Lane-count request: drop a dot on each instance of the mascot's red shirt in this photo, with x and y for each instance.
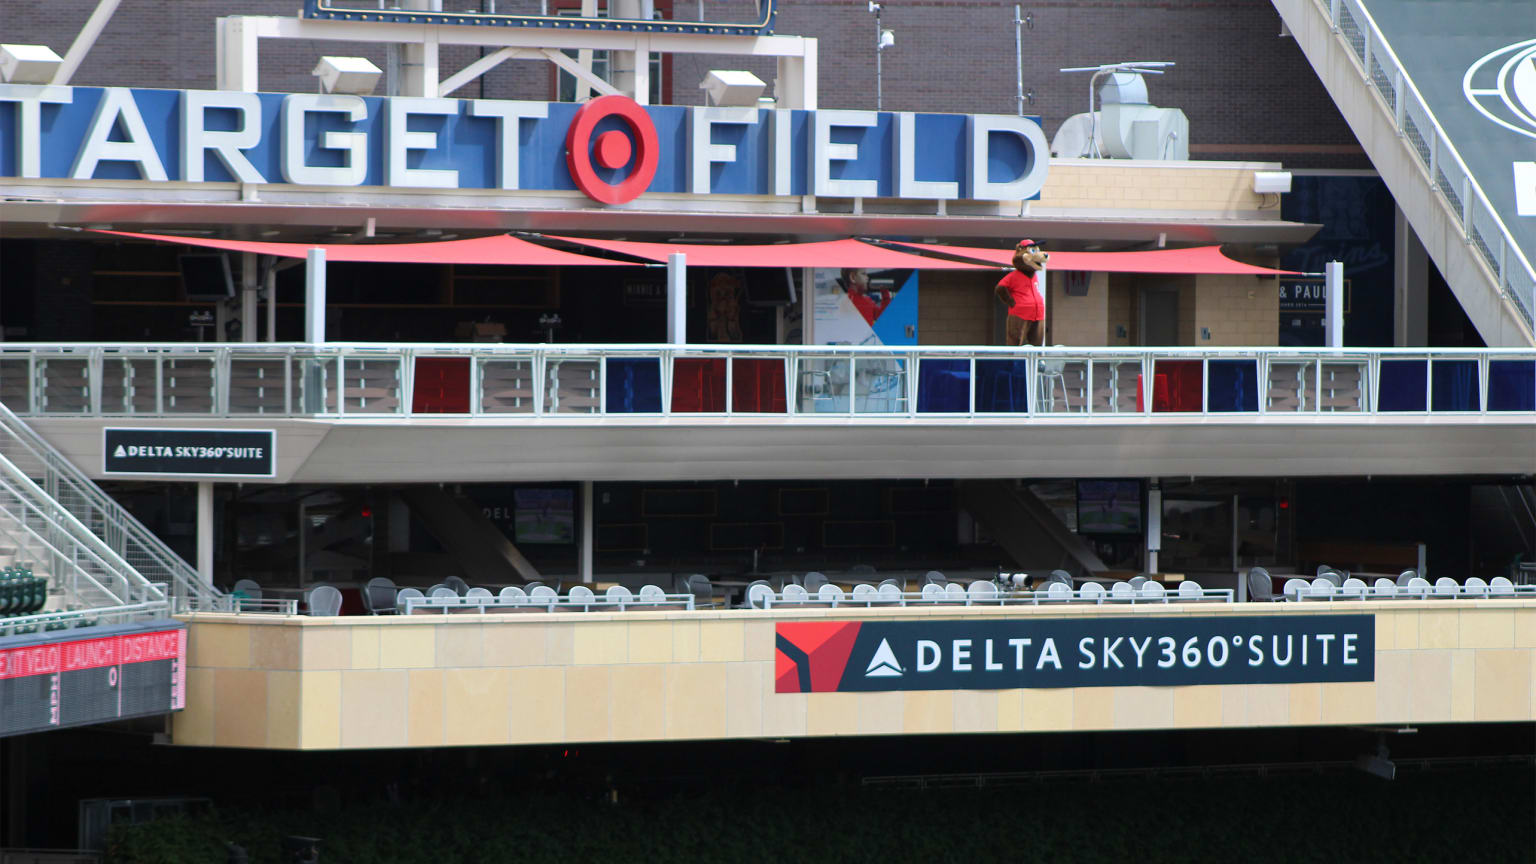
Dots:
(1026, 300)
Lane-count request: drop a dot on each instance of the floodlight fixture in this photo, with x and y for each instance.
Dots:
(732, 87)
(28, 64)
(356, 75)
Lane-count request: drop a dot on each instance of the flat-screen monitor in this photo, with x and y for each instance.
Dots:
(545, 515)
(206, 276)
(1109, 507)
(770, 286)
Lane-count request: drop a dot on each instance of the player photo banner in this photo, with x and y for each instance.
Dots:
(866, 656)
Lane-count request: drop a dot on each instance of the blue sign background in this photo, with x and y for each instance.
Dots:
(469, 145)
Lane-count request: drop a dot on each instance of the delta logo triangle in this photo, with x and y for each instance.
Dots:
(119, 453)
(883, 664)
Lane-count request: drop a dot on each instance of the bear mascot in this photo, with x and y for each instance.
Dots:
(1026, 309)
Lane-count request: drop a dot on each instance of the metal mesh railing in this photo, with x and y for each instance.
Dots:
(1480, 223)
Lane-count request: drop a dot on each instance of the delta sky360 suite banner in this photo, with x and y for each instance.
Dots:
(865, 656)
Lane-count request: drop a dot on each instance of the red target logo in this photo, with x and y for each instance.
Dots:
(612, 149)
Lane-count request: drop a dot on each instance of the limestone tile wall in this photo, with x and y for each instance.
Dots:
(1097, 185)
(956, 308)
(356, 683)
(1079, 320)
(1237, 310)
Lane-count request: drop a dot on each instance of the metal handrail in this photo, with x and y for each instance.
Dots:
(63, 529)
(1509, 256)
(822, 382)
(119, 530)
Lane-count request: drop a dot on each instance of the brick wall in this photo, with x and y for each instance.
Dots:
(1249, 93)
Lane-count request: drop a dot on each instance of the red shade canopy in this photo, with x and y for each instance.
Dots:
(830, 253)
(1198, 259)
(500, 249)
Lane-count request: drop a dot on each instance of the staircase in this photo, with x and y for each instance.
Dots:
(1463, 232)
(1032, 535)
(43, 490)
(87, 582)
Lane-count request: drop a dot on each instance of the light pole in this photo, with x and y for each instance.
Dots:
(883, 39)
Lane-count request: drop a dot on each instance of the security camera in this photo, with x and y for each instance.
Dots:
(887, 39)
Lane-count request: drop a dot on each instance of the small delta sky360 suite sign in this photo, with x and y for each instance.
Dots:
(855, 656)
(190, 452)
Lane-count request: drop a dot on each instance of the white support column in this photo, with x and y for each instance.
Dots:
(314, 297)
(205, 531)
(237, 66)
(1154, 523)
(585, 553)
(250, 286)
(677, 299)
(1334, 316)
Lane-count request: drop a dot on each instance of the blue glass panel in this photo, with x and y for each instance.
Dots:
(1512, 385)
(944, 386)
(634, 386)
(1232, 385)
(1402, 385)
(1454, 387)
(1002, 386)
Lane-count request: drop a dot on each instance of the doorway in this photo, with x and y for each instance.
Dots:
(1159, 315)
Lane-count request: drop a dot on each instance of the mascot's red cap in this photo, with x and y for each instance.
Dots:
(1026, 243)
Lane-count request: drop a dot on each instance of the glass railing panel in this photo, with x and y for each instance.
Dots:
(943, 385)
(1454, 385)
(1232, 386)
(1062, 385)
(1403, 385)
(372, 385)
(1177, 386)
(822, 384)
(1114, 389)
(16, 383)
(1292, 386)
(1002, 386)
(1342, 386)
(63, 385)
(1512, 385)
(257, 385)
(187, 385)
(440, 385)
(573, 385)
(128, 385)
(633, 385)
(314, 379)
(879, 384)
(758, 385)
(698, 385)
(507, 385)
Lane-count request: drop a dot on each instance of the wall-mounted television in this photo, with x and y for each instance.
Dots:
(1109, 507)
(206, 276)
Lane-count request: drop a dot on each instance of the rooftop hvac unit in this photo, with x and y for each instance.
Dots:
(1130, 128)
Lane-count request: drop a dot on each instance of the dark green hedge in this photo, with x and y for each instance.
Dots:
(1470, 815)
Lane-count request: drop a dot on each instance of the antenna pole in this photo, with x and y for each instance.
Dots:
(1018, 56)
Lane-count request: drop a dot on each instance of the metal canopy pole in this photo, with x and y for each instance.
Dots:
(1333, 273)
(586, 530)
(677, 298)
(314, 297)
(205, 531)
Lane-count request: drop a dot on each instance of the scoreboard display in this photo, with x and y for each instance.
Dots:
(73, 679)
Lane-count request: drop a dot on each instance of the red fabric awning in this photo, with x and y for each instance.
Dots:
(500, 249)
(828, 253)
(1205, 260)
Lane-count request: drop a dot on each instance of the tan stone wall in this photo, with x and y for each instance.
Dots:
(956, 308)
(1159, 187)
(1121, 309)
(1238, 310)
(426, 681)
(1079, 320)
